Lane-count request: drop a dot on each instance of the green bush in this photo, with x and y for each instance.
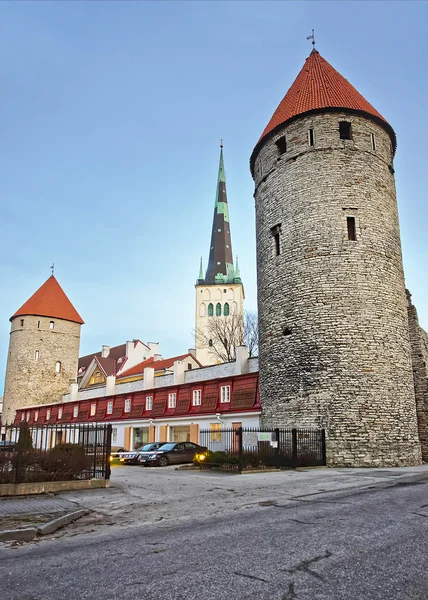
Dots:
(65, 462)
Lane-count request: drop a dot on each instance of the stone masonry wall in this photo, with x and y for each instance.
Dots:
(334, 342)
(419, 342)
(30, 382)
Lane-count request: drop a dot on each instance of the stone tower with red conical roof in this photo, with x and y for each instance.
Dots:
(43, 350)
(334, 342)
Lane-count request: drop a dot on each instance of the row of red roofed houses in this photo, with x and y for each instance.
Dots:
(172, 406)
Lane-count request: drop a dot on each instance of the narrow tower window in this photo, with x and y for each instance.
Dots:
(51, 324)
(311, 137)
(226, 310)
(281, 144)
(352, 234)
(38, 324)
(373, 139)
(345, 130)
(57, 367)
(22, 322)
(276, 240)
(210, 310)
(218, 310)
(36, 355)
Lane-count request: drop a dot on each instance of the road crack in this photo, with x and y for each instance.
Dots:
(250, 576)
(290, 594)
(305, 564)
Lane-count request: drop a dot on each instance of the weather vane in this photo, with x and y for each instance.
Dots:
(221, 143)
(312, 37)
(53, 268)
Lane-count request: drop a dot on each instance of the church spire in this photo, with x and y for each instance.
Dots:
(220, 264)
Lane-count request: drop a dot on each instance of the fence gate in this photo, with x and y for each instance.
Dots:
(237, 449)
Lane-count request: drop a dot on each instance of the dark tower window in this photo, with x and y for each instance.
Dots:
(226, 310)
(218, 310)
(22, 322)
(276, 240)
(281, 144)
(210, 310)
(210, 343)
(352, 233)
(345, 130)
(373, 139)
(311, 137)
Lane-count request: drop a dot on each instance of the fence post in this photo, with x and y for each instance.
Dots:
(323, 448)
(108, 451)
(294, 447)
(277, 461)
(239, 433)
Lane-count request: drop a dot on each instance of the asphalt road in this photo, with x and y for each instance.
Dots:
(356, 544)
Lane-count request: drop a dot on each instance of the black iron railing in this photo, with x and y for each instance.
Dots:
(238, 449)
(54, 453)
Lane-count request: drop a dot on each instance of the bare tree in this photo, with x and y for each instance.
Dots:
(223, 334)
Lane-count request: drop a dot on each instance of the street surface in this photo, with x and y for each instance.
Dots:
(315, 535)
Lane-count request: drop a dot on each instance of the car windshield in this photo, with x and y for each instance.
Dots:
(167, 447)
(146, 448)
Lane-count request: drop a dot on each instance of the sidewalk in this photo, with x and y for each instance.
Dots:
(24, 517)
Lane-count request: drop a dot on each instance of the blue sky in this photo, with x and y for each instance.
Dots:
(112, 114)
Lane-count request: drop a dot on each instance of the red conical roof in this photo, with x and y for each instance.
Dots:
(50, 301)
(318, 86)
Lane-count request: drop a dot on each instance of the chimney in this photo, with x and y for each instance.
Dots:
(149, 378)
(105, 351)
(110, 385)
(192, 351)
(129, 348)
(157, 357)
(74, 388)
(241, 360)
(178, 372)
(154, 347)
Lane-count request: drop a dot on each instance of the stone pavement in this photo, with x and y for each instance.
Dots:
(30, 505)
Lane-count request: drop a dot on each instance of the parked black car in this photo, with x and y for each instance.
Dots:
(172, 454)
(131, 458)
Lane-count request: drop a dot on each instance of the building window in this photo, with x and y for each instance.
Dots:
(128, 405)
(210, 310)
(225, 394)
(109, 407)
(352, 234)
(75, 411)
(22, 322)
(172, 400)
(93, 410)
(60, 412)
(38, 324)
(36, 415)
(345, 130)
(218, 310)
(281, 144)
(276, 232)
(51, 324)
(28, 415)
(48, 414)
(114, 434)
(197, 397)
(216, 432)
(189, 366)
(57, 367)
(22, 416)
(210, 343)
(226, 310)
(36, 355)
(311, 138)
(149, 402)
(373, 139)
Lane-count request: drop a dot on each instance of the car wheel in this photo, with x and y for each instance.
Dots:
(163, 461)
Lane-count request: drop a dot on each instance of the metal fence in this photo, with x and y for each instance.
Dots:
(239, 449)
(54, 453)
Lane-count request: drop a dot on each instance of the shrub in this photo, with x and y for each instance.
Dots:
(66, 461)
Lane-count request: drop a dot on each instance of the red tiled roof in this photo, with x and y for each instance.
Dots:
(116, 352)
(50, 300)
(318, 86)
(157, 365)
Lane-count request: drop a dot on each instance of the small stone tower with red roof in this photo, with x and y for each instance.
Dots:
(43, 350)
(334, 342)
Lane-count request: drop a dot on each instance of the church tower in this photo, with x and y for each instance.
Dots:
(220, 294)
(334, 343)
(43, 350)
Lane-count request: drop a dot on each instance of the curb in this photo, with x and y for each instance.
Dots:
(29, 533)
